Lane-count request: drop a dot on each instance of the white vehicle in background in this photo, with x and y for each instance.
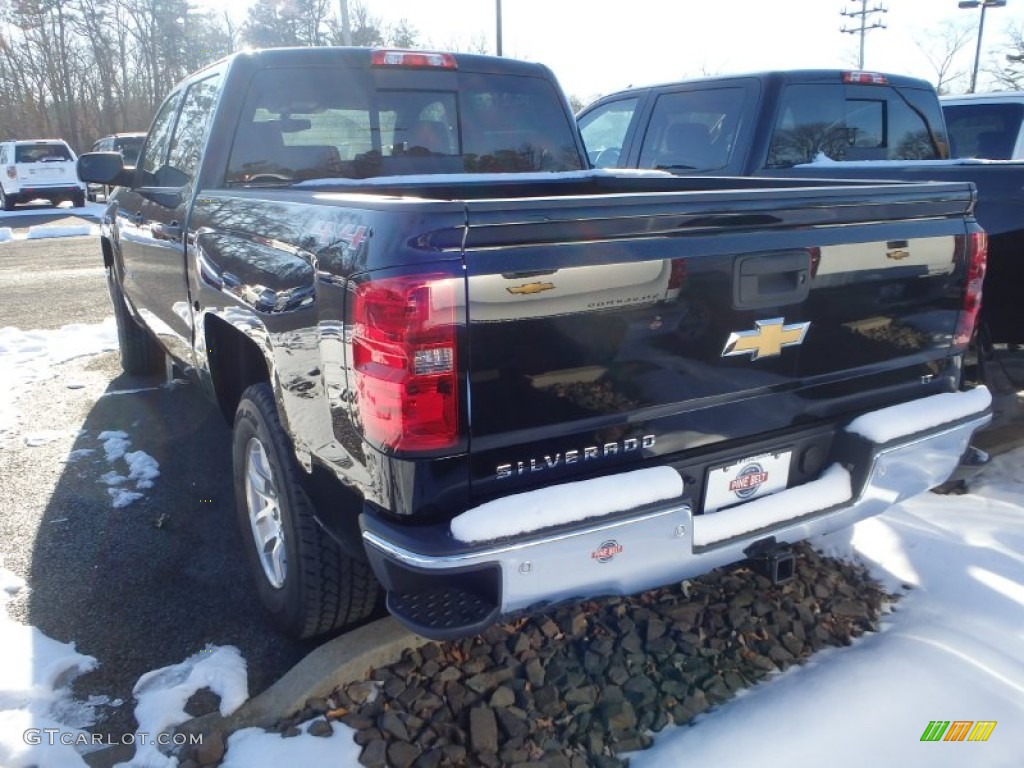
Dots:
(39, 169)
(986, 125)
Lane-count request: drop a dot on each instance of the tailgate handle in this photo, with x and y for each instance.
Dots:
(771, 279)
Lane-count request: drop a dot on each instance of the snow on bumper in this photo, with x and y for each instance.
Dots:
(664, 541)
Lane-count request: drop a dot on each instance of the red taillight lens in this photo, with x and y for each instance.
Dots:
(977, 261)
(404, 357)
(677, 276)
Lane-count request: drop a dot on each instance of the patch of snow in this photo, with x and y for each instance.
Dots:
(35, 439)
(112, 478)
(56, 230)
(79, 453)
(256, 748)
(162, 693)
(821, 159)
(144, 469)
(833, 487)
(6, 234)
(35, 690)
(115, 443)
(488, 178)
(566, 503)
(897, 421)
(122, 498)
(27, 357)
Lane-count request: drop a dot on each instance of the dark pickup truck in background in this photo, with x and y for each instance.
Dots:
(465, 371)
(795, 124)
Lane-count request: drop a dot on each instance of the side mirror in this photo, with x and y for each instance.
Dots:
(105, 168)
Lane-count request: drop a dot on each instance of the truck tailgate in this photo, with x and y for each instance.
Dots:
(639, 326)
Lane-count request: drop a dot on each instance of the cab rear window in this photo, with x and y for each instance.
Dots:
(41, 153)
(335, 123)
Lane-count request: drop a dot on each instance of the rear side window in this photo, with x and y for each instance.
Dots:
(190, 131)
(693, 130)
(333, 123)
(984, 130)
(129, 148)
(41, 153)
(604, 131)
(853, 123)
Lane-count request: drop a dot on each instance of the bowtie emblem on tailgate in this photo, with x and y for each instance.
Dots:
(529, 289)
(767, 340)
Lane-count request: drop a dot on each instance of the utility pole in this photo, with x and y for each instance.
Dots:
(346, 25)
(498, 34)
(863, 26)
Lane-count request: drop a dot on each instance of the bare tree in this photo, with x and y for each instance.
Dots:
(1009, 73)
(942, 45)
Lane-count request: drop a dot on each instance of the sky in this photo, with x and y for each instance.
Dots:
(951, 649)
(599, 46)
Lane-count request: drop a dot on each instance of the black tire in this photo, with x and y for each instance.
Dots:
(7, 202)
(141, 355)
(318, 588)
(79, 200)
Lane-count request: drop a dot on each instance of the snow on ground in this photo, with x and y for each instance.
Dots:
(35, 679)
(143, 469)
(953, 648)
(19, 219)
(162, 694)
(30, 356)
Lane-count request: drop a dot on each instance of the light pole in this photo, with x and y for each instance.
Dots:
(498, 33)
(983, 4)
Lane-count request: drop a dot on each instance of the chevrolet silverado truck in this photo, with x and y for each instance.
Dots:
(826, 124)
(469, 375)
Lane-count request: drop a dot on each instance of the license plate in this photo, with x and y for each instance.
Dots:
(746, 479)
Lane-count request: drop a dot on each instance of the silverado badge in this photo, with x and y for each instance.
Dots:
(530, 288)
(767, 341)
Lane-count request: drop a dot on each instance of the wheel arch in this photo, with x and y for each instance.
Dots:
(234, 361)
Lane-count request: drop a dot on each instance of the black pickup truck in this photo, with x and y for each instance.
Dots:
(467, 372)
(817, 124)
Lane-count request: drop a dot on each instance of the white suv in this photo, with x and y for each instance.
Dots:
(39, 169)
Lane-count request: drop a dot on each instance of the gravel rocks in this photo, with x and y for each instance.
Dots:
(588, 683)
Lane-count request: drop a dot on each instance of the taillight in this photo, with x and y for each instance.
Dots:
(404, 357)
(383, 58)
(12, 172)
(977, 260)
(866, 78)
(677, 276)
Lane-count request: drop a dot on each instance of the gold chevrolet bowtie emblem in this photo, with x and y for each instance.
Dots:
(767, 341)
(530, 288)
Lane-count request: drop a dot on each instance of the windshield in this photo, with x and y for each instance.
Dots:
(332, 123)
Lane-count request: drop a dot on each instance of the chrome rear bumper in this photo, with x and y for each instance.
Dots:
(627, 553)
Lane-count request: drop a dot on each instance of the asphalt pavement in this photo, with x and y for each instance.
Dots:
(146, 585)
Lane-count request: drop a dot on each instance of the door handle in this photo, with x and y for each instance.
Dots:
(771, 279)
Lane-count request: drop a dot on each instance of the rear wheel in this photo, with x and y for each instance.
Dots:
(140, 352)
(79, 200)
(304, 580)
(7, 202)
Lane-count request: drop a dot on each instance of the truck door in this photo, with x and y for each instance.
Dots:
(153, 215)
